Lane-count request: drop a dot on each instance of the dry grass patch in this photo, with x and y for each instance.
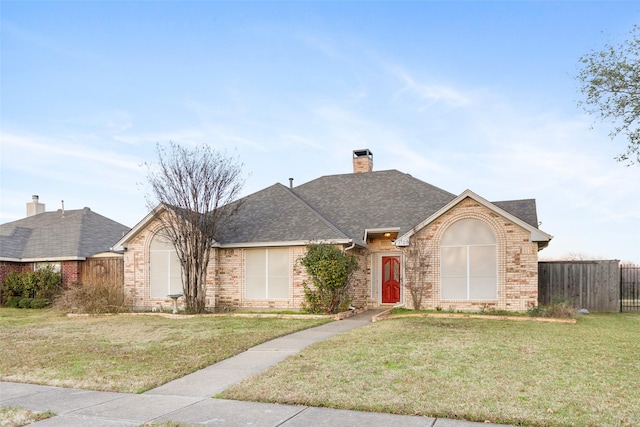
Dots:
(124, 353)
(522, 373)
(12, 416)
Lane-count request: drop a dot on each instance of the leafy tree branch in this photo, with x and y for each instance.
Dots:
(610, 84)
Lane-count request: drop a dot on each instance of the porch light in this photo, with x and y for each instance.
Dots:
(387, 234)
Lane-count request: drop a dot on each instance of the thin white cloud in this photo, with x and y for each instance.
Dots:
(431, 93)
(46, 150)
(103, 122)
(300, 140)
(182, 136)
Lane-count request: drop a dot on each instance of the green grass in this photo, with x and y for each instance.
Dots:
(124, 353)
(522, 373)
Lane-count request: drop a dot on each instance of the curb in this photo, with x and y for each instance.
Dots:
(387, 315)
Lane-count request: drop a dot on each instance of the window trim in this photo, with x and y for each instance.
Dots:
(168, 260)
(55, 265)
(468, 262)
(267, 276)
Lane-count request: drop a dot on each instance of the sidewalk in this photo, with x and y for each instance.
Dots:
(189, 399)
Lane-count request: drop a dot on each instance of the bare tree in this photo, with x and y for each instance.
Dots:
(192, 195)
(417, 266)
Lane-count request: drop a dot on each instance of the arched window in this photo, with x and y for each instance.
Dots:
(468, 262)
(165, 269)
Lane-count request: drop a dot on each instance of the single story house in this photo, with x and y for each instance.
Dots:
(477, 254)
(64, 239)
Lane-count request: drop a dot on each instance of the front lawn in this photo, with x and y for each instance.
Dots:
(522, 373)
(124, 353)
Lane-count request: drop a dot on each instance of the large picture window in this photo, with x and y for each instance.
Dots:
(166, 271)
(468, 262)
(267, 273)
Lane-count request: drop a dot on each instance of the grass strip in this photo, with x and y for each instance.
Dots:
(14, 416)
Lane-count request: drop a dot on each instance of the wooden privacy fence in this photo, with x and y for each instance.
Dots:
(594, 285)
(103, 271)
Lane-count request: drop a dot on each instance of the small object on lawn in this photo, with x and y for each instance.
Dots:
(583, 311)
(175, 297)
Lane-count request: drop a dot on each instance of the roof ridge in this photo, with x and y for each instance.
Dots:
(347, 174)
(315, 212)
(425, 182)
(408, 175)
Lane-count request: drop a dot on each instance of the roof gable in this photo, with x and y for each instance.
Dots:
(517, 206)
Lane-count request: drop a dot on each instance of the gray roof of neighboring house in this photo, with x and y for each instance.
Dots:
(76, 234)
(339, 207)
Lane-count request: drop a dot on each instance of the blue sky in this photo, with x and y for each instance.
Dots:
(463, 95)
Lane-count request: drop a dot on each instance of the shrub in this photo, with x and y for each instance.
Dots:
(93, 298)
(25, 303)
(330, 271)
(42, 284)
(12, 286)
(13, 301)
(40, 302)
(559, 309)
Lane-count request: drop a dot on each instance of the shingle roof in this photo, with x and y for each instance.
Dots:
(338, 207)
(276, 214)
(76, 234)
(524, 209)
(360, 201)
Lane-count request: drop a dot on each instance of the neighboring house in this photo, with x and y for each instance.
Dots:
(64, 239)
(480, 254)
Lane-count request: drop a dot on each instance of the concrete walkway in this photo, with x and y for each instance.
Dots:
(189, 400)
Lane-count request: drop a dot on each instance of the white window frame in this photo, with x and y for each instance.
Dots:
(468, 270)
(172, 263)
(268, 276)
(57, 266)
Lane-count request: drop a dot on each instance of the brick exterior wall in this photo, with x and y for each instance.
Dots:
(225, 278)
(360, 281)
(517, 259)
(70, 270)
(7, 267)
(362, 164)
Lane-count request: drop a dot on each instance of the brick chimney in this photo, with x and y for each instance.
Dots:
(34, 207)
(362, 161)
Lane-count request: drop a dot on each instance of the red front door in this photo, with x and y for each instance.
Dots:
(390, 279)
